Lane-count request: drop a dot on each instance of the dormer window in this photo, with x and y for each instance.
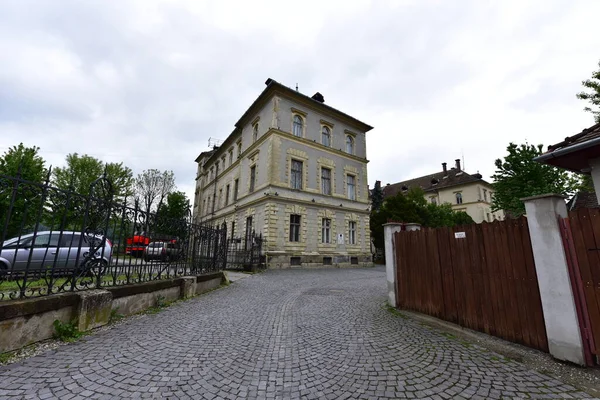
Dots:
(298, 126)
(404, 188)
(349, 144)
(326, 136)
(434, 181)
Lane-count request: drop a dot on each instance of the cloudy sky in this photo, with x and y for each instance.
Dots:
(148, 82)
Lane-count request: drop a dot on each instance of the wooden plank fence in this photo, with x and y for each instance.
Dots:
(585, 228)
(485, 281)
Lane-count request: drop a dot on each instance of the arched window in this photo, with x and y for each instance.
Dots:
(458, 198)
(326, 136)
(298, 126)
(349, 144)
(255, 132)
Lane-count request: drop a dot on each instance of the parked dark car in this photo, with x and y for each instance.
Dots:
(164, 251)
(55, 251)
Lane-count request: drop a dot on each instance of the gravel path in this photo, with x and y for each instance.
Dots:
(289, 334)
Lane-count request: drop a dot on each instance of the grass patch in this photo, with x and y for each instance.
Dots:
(448, 335)
(160, 303)
(6, 357)
(395, 311)
(115, 316)
(66, 331)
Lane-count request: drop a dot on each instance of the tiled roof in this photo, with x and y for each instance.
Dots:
(434, 182)
(583, 200)
(585, 135)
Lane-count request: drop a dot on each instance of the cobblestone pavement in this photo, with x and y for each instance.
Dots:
(310, 334)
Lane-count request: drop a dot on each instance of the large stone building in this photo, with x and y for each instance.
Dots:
(295, 170)
(465, 192)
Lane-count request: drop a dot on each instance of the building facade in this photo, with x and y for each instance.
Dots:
(465, 192)
(294, 170)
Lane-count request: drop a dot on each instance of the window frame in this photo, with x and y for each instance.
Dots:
(252, 178)
(350, 144)
(326, 230)
(351, 195)
(255, 132)
(352, 232)
(325, 128)
(298, 123)
(236, 189)
(227, 191)
(296, 175)
(458, 197)
(295, 224)
(328, 179)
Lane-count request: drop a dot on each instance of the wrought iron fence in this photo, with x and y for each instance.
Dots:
(245, 253)
(54, 240)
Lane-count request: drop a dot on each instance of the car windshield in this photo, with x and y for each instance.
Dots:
(155, 244)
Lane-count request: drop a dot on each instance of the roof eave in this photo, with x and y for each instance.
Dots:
(567, 150)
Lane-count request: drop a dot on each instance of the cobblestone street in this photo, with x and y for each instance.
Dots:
(289, 334)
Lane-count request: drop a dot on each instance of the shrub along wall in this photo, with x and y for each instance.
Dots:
(23, 322)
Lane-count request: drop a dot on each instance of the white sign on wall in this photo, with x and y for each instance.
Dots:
(340, 238)
(460, 235)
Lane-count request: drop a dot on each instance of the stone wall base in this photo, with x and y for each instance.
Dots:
(23, 322)
(302, 260)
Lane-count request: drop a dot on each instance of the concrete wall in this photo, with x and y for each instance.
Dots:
(558, 301)
(23, 322)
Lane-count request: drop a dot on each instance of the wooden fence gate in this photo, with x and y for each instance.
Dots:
(582, 230)
(480, 276)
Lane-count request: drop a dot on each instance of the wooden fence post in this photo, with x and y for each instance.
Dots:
(558, 301)
(390, 255)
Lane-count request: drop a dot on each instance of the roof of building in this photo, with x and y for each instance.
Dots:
(575, 151)
(435, 181)
(583, 200)
(583, 136)
(316, 101)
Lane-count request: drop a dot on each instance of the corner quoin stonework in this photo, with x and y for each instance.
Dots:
(283, 334)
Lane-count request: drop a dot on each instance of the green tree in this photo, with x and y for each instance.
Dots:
(77, 176)
(412, 207)
(171, 217)
(81, 171)
(518, 176)
(26, 163)
(377, 196)
(593, 96)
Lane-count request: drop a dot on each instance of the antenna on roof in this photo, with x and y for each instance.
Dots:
(296, 86)
(462, 153)
(214, 142)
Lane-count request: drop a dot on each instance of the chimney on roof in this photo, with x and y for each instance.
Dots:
(318, 97)
(457, 164)
(445, 168)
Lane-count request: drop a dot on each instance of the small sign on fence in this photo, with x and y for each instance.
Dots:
(460, 235)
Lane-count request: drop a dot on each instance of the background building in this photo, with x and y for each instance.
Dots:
(295, 170)
(466, 192)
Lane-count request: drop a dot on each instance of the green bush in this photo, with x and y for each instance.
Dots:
(66, 332)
